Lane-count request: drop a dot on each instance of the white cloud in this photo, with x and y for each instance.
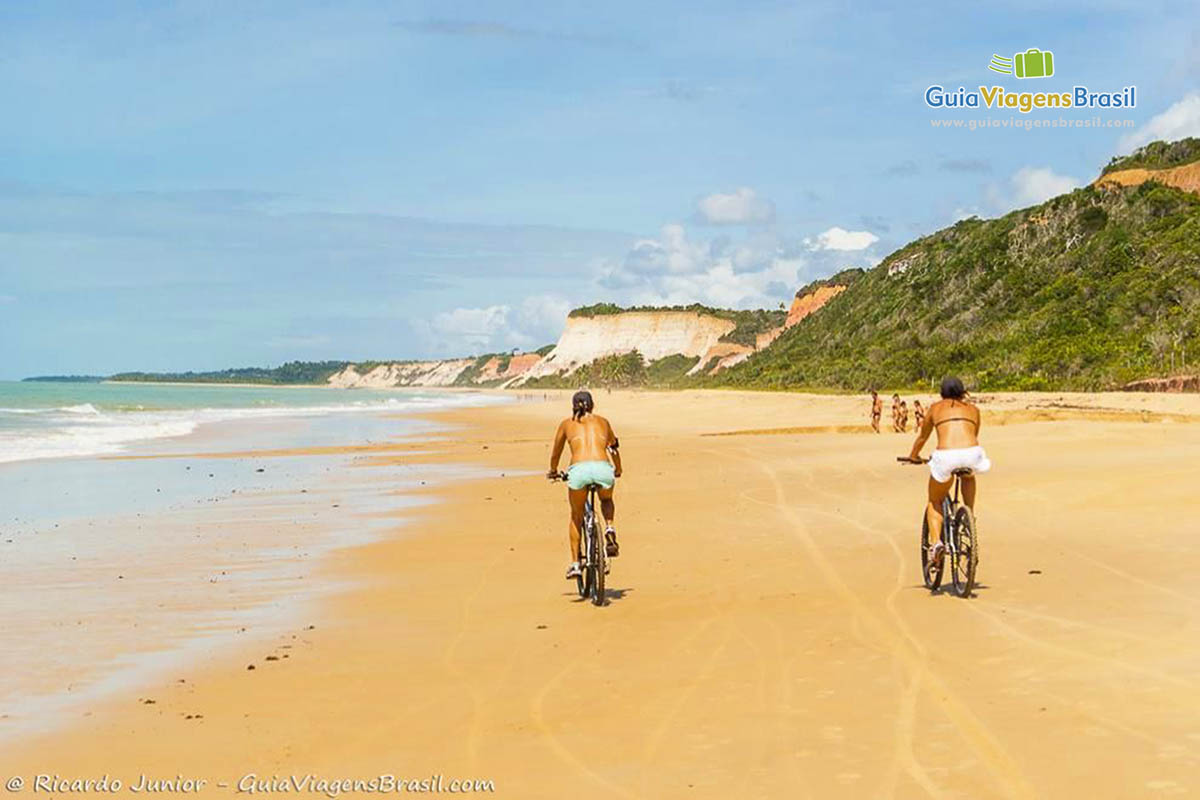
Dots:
(540, 318)
(841, 239)
(672, 269)
(1033, 185)
(1179, 121)
(743, 207)
(537, 321)
(476, 328)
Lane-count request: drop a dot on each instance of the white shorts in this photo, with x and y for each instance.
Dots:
(943, 462)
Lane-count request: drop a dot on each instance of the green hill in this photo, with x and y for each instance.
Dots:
(1157, 155)
(293, 372)
(1087, 291)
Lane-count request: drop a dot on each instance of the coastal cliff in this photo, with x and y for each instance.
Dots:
(650, 345)
(653, 334)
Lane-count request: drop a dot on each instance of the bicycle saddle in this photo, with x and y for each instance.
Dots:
(962, 471)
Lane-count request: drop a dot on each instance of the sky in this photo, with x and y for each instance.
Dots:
(200, 185)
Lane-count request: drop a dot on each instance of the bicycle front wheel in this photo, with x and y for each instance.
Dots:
(929, 573)
(966, 556)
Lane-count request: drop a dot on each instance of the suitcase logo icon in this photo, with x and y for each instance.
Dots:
(1033, 63)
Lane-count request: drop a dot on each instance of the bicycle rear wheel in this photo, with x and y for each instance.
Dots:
(596, 558)
(966, 558)
(930, 574)
(583, 582)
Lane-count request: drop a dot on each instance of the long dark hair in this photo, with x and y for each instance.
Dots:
(953, 389)
(582, 403)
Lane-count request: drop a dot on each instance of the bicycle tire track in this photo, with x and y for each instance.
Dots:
(1002, 766)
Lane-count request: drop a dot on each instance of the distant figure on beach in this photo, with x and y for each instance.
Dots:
(876, 410)
(592, 444)
(896, 413)
(918, 414)
(957, 424)
(903, 416)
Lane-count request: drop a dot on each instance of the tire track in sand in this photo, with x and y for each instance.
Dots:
(906, 651)
(904, 755)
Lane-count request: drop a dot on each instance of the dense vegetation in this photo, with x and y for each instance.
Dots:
(843, 278)
(623, 370)
(1157, 155)
(471, 375)
(293, 372)
(748, 324)
(1086, 291)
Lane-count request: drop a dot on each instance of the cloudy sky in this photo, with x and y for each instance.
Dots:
(196, 185)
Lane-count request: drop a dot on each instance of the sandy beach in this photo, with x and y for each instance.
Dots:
(766, 635)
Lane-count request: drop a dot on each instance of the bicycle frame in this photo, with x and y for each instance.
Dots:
(591, 578)
(589, 526)
(949, 540)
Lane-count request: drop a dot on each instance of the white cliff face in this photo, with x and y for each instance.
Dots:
(654, 334)
(412, 373)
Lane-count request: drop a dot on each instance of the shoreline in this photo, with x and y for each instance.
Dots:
(137, 610)
(754, 390)
(766, 634)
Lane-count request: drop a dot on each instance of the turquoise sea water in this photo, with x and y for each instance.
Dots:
(119, 571)
(56, 420)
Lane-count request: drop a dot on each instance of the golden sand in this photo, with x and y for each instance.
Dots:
(766, 636)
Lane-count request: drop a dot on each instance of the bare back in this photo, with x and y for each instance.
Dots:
(588, 437)
(956, 423)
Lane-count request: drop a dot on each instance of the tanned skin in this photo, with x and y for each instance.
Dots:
(590, 438)
(952, 434)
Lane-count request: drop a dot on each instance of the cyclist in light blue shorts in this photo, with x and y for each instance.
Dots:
(593, 444)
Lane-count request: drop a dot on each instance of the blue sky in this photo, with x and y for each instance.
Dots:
(196, 185)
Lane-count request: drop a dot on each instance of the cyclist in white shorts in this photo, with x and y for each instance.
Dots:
(957, 424)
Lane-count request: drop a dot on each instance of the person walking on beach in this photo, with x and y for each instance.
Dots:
(876, 410)
(895, 413)
(918, 414)
(592, 443)
(904, 416)
(957, 424)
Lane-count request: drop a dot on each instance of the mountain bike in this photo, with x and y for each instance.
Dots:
(594, 556)
(959, 535)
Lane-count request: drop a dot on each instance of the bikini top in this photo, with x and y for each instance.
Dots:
(952, 419)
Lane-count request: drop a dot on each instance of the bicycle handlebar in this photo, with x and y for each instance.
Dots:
(907, 460)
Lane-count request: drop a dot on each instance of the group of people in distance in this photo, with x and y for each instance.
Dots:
(899, 413)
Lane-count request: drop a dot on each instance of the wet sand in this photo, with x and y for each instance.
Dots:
(766, 633)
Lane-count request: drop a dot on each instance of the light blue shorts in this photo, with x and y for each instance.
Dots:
(585, 473)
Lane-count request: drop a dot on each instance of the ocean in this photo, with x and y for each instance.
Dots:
(147, 528)
(59, 420)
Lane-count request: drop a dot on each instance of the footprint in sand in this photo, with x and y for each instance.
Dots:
(1166, 787)
(1172, 751)
(833, 733)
